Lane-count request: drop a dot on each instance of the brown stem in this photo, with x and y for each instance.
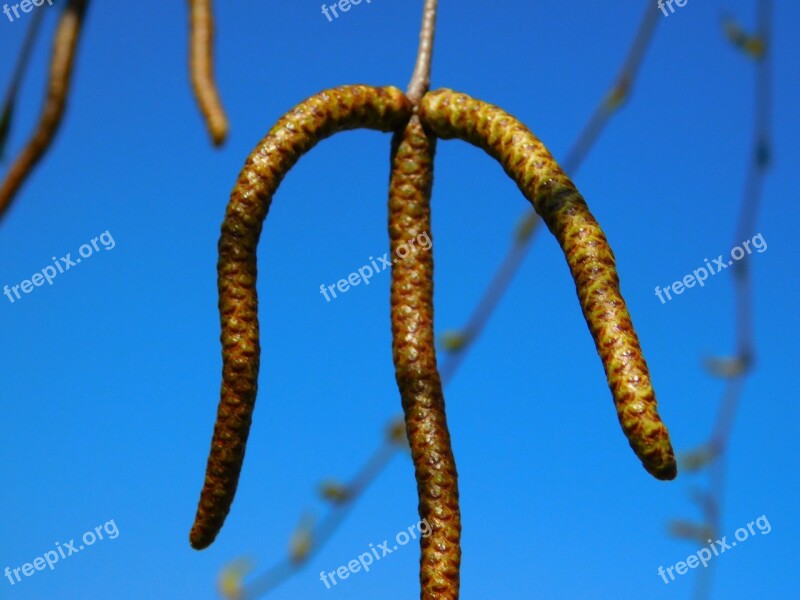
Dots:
(339, 109)
(421, 78)
(65, 45)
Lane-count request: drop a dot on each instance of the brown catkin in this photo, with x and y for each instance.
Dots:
(338, 109)
(454, 115)
(201, 69)
(65, 46)
(415, 360)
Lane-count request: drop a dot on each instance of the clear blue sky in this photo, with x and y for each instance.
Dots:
(111, 375)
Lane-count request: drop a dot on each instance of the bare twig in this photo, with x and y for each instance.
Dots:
(325, 529)
(17, 76)
(421, 78)
(757, 46)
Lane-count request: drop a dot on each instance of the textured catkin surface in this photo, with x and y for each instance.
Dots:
(201, 68)
(65, 46)
(347, 107)
(555, 198)
(415, 360)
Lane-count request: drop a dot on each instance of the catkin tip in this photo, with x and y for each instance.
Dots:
(199, 541)
(664, 470)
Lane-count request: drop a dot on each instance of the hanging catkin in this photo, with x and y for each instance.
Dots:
(201, 69)
(454, 115)
(338, 109)
(414, 356)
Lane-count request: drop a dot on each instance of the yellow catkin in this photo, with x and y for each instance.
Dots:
(414, 356)
(338, 109)
(454, 115)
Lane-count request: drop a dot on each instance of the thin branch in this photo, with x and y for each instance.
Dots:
(282, 571)
(16, 78)
(490, 299)
(747, 222)
(421, 78)
(743, 293)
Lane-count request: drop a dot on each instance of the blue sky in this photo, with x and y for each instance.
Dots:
(111, 375)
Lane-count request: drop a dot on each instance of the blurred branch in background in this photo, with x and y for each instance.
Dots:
(310, 537)
(16, 79)
(734, 370)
